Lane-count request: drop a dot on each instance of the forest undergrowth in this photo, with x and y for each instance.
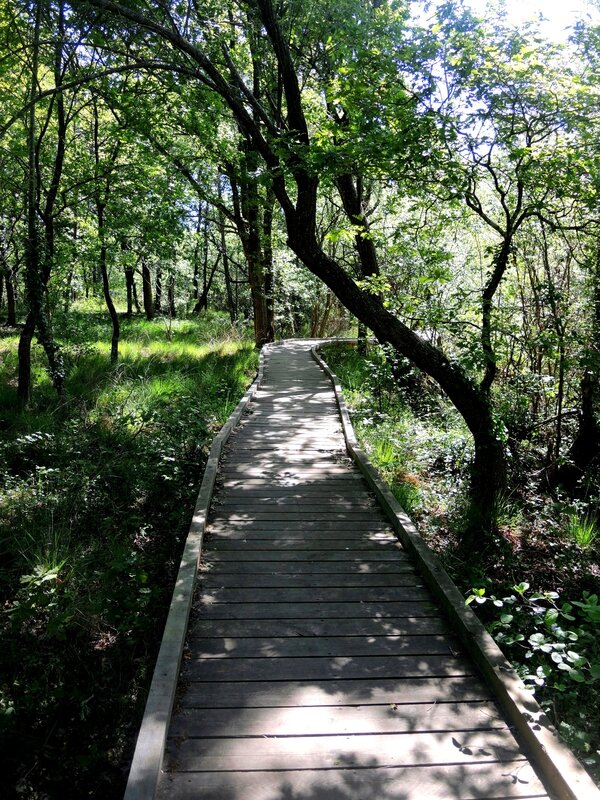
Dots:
(95, 501)
(537, 592)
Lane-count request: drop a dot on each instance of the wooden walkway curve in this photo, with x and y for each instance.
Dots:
(318, 666)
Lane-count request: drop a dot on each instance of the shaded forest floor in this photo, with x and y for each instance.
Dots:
(537, 592)
(95, 502)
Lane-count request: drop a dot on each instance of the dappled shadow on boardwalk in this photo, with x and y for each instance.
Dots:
(319, 667)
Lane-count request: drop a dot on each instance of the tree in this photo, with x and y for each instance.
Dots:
(284, 143)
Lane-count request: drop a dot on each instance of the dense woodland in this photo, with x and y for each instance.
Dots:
(184, 181)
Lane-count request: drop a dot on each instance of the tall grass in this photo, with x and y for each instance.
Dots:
(583, 530)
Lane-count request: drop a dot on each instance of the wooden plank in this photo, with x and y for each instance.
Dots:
(363, 692)
(308, 610)
(295, 544)
(345, 525)
(329, 752)
(455, 782)
(309, 581)
(317, 538)
(305, 555)
(292, 493)
(307, 514)
(327, 720)
(312, 507)
(331, 450)
(347, 567)
(318, 669)
(321, 594)
(405, 626)
(320, 470)
(344, 480)
(318, 502)
(304, 646)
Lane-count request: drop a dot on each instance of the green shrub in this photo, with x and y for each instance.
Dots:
(555, 647)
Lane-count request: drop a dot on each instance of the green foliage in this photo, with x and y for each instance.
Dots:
(400, 423)
(555, 647)
(94, 508)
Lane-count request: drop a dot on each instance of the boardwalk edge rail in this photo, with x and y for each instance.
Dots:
(144, 774)
(564, 776)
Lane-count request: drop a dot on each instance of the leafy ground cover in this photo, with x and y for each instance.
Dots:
(538, 591)
(95, 502)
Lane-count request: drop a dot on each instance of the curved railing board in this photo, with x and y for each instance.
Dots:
(144, 774)
(556, 764)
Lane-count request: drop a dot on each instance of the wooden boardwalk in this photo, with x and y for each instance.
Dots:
(319, 667)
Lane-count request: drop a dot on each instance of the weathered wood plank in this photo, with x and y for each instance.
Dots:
(304, 646)
(321, 594)
(343, 480)
(349, 566)
(237, 544)
(451, 782)
(363, 692)
(325, 720)
(297, 515)
(308, 610)
(318, 669)
(318, 502)
(305, 556)
(329, 752)
(233, 539)
(310, 580)
(344, 525)
(405, 626)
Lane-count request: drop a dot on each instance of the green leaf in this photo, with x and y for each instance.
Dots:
(550, 617)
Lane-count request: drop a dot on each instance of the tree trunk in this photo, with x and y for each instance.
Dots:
(202, 302)
(585, 449)
(158, 291)
(136, 301)
(499, 267)
(171, 295)
(267, 248)
(38, 258)
(11, 300)
(247, 214)
(24, 351)
(362, 338)
(114, 317)
(147, 290)
(196, 256)
(129, 285)
(231, 304)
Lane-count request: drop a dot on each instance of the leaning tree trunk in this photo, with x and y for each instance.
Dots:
(475, 406)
